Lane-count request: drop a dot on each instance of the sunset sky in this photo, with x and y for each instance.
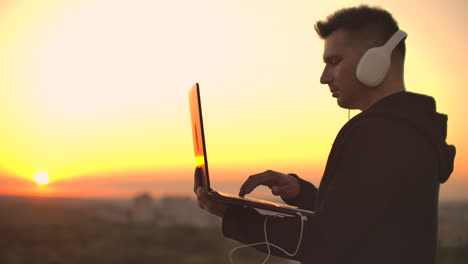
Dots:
(94, 92)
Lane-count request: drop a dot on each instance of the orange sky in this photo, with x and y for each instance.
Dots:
(95, 92)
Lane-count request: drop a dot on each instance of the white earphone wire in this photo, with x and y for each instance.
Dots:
(268, 244)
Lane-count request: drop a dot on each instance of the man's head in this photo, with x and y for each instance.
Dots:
(348, 34)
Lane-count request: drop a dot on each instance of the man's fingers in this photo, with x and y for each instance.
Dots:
(200, 193)
(288, 190)
(206, 204)
(275, 190)
(248, 188)
(203, 201)
(197, 181)
(245, 186)
(201, 198)
(279, 190)
(250, 184)
(265, 178)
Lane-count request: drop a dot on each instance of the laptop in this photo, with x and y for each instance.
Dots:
(201, 160)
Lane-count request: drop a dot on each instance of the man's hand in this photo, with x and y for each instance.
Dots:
(215, 208)
(284, 185)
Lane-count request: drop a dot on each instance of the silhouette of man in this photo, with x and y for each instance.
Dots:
(378, 197)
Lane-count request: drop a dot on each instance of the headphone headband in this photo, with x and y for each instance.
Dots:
(395, 39)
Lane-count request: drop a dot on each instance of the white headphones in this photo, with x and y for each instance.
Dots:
(374, 64)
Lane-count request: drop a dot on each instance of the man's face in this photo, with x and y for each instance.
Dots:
(341, 56)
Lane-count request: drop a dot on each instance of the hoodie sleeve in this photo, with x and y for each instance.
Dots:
(371, 184)
(246, 225)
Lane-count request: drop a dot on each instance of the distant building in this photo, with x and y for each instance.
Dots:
(142, 210)
(178, 210)
(453, 224)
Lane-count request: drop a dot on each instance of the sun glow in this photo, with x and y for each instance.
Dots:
(42, 178)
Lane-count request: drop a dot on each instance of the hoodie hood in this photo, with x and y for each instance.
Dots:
(419, 112)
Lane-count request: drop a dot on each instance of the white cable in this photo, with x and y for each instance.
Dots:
(266, 240)
(268, 244)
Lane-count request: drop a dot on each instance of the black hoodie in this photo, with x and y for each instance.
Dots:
(378, 198)
(419, 112)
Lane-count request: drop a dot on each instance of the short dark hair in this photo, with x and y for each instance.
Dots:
(354, 19)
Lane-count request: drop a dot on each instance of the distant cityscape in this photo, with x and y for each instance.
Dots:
(180, 210)
(143, 209)
(165, 211)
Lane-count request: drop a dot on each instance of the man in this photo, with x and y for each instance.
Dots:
(377, 201)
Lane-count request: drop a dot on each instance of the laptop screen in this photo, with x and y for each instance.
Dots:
(198, 134)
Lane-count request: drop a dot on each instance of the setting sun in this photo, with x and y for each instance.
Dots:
(42, 177)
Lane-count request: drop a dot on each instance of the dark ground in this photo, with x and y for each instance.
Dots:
(54, 230)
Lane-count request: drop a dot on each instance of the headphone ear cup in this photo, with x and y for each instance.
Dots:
(373, 66)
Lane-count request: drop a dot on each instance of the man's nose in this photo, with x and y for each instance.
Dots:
(326, 77)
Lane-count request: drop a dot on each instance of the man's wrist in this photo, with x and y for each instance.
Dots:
(293, 200)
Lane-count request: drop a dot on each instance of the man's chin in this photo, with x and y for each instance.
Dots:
(343, 104)
(340, 103)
